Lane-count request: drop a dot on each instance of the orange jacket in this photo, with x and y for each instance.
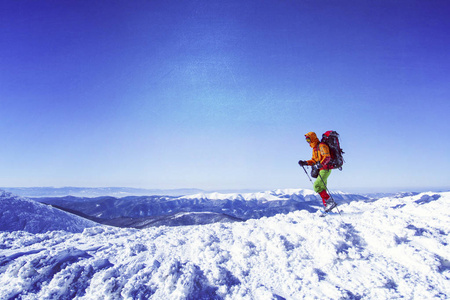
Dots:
(321, 152)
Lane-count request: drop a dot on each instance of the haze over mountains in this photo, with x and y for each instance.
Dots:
(95, 191)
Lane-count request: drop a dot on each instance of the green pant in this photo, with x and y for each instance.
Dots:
(321, 182)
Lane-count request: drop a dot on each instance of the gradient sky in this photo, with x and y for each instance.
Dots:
(219, 94)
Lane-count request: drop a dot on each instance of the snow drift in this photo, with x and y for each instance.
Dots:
(388, 248)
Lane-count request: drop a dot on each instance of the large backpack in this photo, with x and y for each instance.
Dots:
(331, 138)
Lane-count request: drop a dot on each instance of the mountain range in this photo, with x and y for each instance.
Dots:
(201, 208)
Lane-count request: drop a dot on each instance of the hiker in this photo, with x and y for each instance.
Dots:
(321, 164)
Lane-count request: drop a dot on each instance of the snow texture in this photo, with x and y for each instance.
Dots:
(389, 248)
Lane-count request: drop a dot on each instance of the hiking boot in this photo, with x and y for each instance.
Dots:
(330, 205)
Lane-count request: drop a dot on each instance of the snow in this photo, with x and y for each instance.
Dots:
(275, 195)
(179, 215)
(17, 213)
(389, 248)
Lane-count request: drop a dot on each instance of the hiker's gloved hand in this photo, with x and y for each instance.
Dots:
(318, 166)
(303, 163)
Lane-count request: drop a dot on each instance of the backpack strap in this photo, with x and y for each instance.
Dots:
(327, 160)
(318, 148)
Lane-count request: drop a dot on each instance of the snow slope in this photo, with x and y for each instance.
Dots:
(385, 249)
(17, 213)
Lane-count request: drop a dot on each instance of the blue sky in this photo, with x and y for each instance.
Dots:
(219, 94)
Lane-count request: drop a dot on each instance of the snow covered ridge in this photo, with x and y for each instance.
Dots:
(300, 195)
(390, 248)
(279, 194)
(17, 213)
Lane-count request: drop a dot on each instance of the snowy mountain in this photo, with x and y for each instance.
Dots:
(280, 194)
(17, 213)
(389, 248)
(141, 212)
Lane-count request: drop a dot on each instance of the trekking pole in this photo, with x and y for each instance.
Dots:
(308, 175)
(329, 193)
